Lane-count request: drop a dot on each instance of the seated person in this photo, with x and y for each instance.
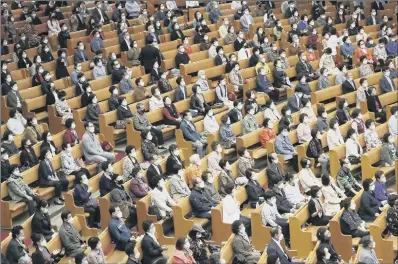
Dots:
(139, 188)
(49, 178)
(210, 123)
(83, 198)
(235, 114)
(368, 254)
(225, 177)
(316, 209)
(28, 156)
(171, 116)
(120, 197)
(322, 255)
(123, 113)
(345, 180)
(323, 235)
(332, 194)
(350, 222)
(265, 86)
(334, 137)
(231, 210)
(194, 170)
(93, 111)
(214, 158)
(178, 188)
(161, 198)
(255, 191)
(241, 245)
(315, 151)
(19, 191)
(41, 221)
(369, 206)
(303, 129)
(267, 133)
(71, 240)
(151, 249)
(16, 249)
(33, 131)
(118, 231)
(283, 205)
(210, 191)
(274, 170)
(380, 189)
(107, 181)
(392, 215)
(69, 165)
(199, 140)
(92, 149)
(174, 161)
(227, 136)
(249, 123)
(284, 146)
(16, 123)
(353, 148)
(270, 215)
(8, 144)
(389, 151)
(201, 206)
(274, 247)
(156, 101)
(183, 253)
(292, 191)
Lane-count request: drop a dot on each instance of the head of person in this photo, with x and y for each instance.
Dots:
(38, 240)
(273, 158)
(305, 163)
(323, 235)
(115, 211)
(183, 244)
(392, 200)
(66, 217)
(315, 192)
(269, 197)
(348, 204)
(276, 233)
(89, 127)
(368, 242)
(368, 185)
(380, 176)
(107, 167)
(94, 243)
(216, 146)
(237, 227)
(224, 164)
(304, 119)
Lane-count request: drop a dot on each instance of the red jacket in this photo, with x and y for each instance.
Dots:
(70, 137)
(180, 258)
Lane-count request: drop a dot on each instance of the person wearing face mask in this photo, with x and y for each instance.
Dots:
(160, 198)
(392, 214)
(369, 207)
(5, 165)
(225, 178)
(42, 254)
(130, 164)
(126, 85)
(113, 101)
(357, 121)
(292, 191)
(6, 85)
(223, 29)
(132, 253)
(152, 251)
(255, 192)
(119, 197)
(99, 69)
(353, 148)
(364, 68)
(210, 123)
(231, 38)
(285, 208)
(107, 181)
(16, 249)
(218, 54)
(37, 62)
(227, 137)
(123, 113)
(31, 32)
(70, 135)
(16, 122)
(362, 92)
(386, 83)
(77, 68)
(138, 187)
(322, 255)
(33, 131)
(141, 123)
(249, 123)
(345, 180)
(303, 129)
(174, 160)
(82, 195)
(93, 111)
(46, 54)
(215, 13)
(393, 121)
(334, 137)
(63, 37)
(284, 146)
(323, 235)
(380, 52)
(71, 240)
(92, 149)
(182, 57)
(246, 20)
(202, 81)
(271, 217)
(316, 208)
(68, 163)
(380, 189)
(156, 101)
(389, 151)
(23, 61)
(235, 114)
(8, 144)
(214, 158)
(19, 191)
(209, 191)
(201, 205)
(13, 97)
(315, 151)
(183, 253)
(133, 54)
(177, 32)
(322, 123)
(371, 136)
(367, 253)
(294, 102)
(178, 188)
(154, 170)
(62, 108)
(80, 54)
(61, 65)
(171, 115)
(342, 113)
(98, 14)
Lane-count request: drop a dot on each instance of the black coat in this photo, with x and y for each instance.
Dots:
(333, 254)
(283, 205)
(84, 99)
(37, 256)
(274, 249)
(29, 157)
(253, 60)
(44, 172)
(172, 163)
(46, 144)
(274, 174)
(14, 251)
(196, 105)
(347, 87)
(234, 115)
(175, 36)
(198, 202)
(238, 45)
(152, 174)
(341, 116)
(301, 69)
(22, 64)
(60, 69)
(372, 100)
(63, 37)
(117, 75)
(368, 206)
(254, 192)
(5, 170)
(151, 251)
(279, 78)
(41, 224)
(124, 46)
(179, 95)
(148, 56)
(123, 113)
(181, 58)
(106, 185)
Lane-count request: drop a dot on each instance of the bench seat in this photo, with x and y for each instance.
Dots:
(394, 240)
(258, 152)
(313, 229)
(356, 241)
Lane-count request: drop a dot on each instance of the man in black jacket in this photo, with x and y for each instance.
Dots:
(151, 249)
(181, 57)
(117, 73)
(149, 54)
(201, 207)
(98, 14)
(235, 114)
(348, 85)
(274, 170)
(154, 170)
(16, 249)
(275, 247)
(303, 67)
(255, 193)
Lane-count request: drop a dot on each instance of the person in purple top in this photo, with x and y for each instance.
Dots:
(380, 191)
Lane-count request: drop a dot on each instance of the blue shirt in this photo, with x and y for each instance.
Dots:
(380, 191)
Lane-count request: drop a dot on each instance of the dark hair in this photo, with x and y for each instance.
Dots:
(65, 145)
(16, 230)
(224, 118)
(391, 199)
(180, 243)
(366, 240)
(146, 224)
(333, 122)
(302, 116)
(129, 149)
(314, 132)
(79, 258)
(346, 203)
(13, 167)
(342, 102)
(235, 226)
(91, 98)
(214, 145)
(241, 151)
(36, 238)
(304, 162)
(105, 165)
(268, 194)
(275, 230)
(7, 134)
(43, 152)
(222, 163)
(320, 234)
(129, 250)
(314, 191)
(93, 242)
(351, 132)
(204, 175)
(378, 174)
(266, 121)
(41, 204)
(368, 123)
(366, 184)
(325, 180)
(65, 214)
(229, 188)
(144, 133)
(362, 80)
(12, 113)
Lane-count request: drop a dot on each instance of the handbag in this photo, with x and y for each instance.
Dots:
(354, 160)
(106, 146)
(120, 124)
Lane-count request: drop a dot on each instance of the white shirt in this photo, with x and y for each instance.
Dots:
(230, 209)
(293, 194)
(155, 103)
(16, 125)
(351, 148)
(332, 43)
(393, 125)
(161, 199)
(243, 54)
(269, 213)
(236, 5)
(334, 138)
(210, 124)
(308, 179)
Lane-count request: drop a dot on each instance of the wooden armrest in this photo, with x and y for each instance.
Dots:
(292, 253)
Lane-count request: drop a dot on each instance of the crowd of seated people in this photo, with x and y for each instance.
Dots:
(46, 58)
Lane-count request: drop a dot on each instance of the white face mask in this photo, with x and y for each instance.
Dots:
(91, 129)
(70, 220)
